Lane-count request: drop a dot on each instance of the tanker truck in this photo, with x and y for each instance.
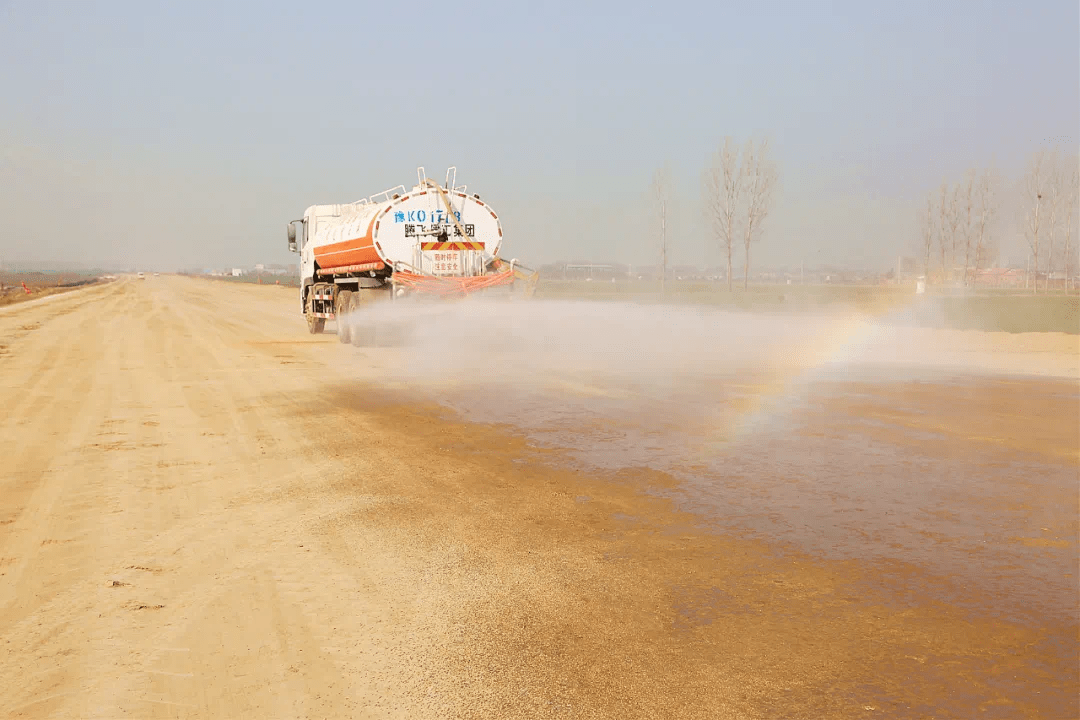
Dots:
(434, 240)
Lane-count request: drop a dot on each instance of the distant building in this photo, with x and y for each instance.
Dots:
(237, 272)
(1001, 277)
(588, 271)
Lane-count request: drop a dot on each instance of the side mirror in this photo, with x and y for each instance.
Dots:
(292, 237)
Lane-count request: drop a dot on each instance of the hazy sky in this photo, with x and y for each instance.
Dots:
(186, 134)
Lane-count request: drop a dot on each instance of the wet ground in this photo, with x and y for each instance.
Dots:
(909, 497)
(974, 479)
(952, 490)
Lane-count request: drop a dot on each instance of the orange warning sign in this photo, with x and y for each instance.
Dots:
(452, 245)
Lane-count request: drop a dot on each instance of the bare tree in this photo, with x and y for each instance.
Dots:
(968, 201)
(760, 178)
(986, 208)
(723, 195)
(661, 188)
(1072, 197)
(943, 226)
(927, 230)
(1035, 199)
(956, 218)
(1055, 200)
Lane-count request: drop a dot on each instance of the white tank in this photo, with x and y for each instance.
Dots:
(399, 230)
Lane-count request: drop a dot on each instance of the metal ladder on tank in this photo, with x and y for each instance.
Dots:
(451, 186)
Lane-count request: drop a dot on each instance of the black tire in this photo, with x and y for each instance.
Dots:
(315, 325)
(342, 308)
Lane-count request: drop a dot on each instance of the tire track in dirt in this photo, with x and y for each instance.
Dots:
(47, 533)
(182, 525)
(58, 393)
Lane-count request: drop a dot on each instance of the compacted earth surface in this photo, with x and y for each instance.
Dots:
(546, 510)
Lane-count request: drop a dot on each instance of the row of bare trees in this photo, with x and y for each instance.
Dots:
(1051, 195)
(739, 185)
(958, 226)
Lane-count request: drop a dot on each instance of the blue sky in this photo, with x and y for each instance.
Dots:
(188, 133)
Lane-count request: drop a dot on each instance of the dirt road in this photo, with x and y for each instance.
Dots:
(206, 512)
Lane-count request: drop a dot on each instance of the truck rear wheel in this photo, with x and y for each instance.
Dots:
(314, 324)
(342, 308)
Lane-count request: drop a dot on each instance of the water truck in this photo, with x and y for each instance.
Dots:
(433, 240)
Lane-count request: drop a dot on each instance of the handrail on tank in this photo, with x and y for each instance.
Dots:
(385, 194)
(355, 207)
(451, 181)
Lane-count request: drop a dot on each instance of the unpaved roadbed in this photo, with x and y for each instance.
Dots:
(204, 513)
